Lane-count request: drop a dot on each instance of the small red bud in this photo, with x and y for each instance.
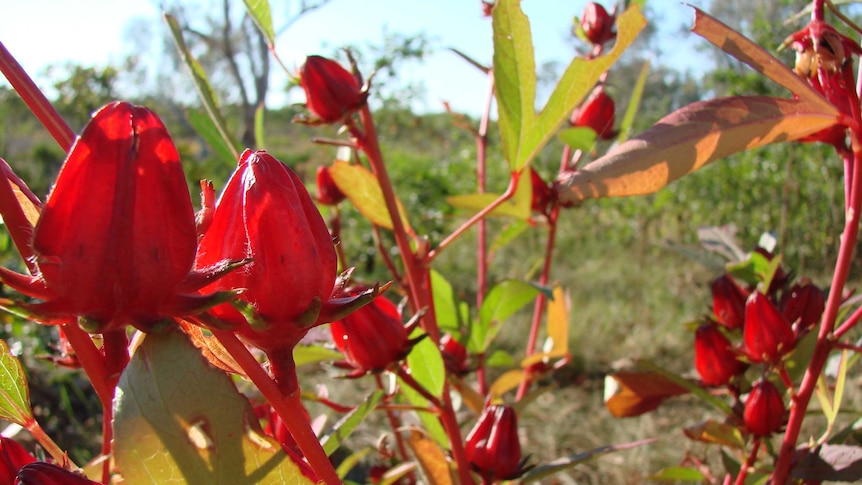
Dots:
(598, 113)
(372, 338)
(454, 355)
(328, 192)
(767, 334)
(728, 302)
(764, 409)
(714, 357)
(42, 473)
(597, 24)
(331, 92)
(541, 193)
(803, 304)
(493, 447)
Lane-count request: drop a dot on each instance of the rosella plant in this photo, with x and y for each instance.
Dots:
(166, 310)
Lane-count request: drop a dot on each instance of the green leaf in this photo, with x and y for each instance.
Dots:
(567, 462)
(451, 312)
(14, 392)
(363, 190)
(514, 76)
(503, 300)
(179, 420)
(579, 138)
(429, 419)
(309, 354)
(678, 473)
(348, 423)
(517, 206)
(508, 234)
(258, 126)
(634, 102)
(262, 16)
(204, 126)
(426, 365)
(202, 84)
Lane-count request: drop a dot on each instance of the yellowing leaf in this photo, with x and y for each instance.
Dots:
(505, 383)
(431, 458)
(633, 393)
(688, 139)
(361, 187)
(517, 206)
(179, 420)
(558, 321)
(711, 431)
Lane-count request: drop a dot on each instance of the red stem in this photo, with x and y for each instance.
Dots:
(539, 305)
(289, 408)
(35, 100)
(824, 342)
(394, 424)
(482, 228)
(749, 463)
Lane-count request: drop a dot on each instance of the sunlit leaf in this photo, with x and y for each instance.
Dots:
(508, 234)
(351, 461)
(14, 392)
(678, 474)
(426, 366)
(471, 398)
(177, 419)
(363, 190)
(259, 126)
(348, 423)
(452, 314)
(394, 474)
(206, 129)
(514, 76)
(690, 138)
(688, 385)
(502, 300)
(632, 393)
(637, 91)
(260, 12)
(578, 138)
(711, 431)
(558, 322)
(567, 462)
(518, 206)
(431, 458)
(523, 132)
(211, 349)
(202, 84)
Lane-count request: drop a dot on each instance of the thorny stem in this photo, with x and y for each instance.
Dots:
(289, 408)
(799, 404)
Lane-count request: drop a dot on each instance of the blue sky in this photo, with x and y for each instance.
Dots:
(91, 32)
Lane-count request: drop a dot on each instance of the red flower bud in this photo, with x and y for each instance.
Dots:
(327, 192)
(454, 355)
(116, 239)
(714, 357)
(728, 302)
(41, 473)
(598, 113)
(493, 447)
(803, 304)
(597, 24)
(265, 214)
(541, 193)
(372, 338)
(764, 409)
(331, 92)
(767, 334)
(12, 457)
